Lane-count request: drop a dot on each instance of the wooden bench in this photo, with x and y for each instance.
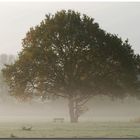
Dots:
(58, 120)
(26, 129)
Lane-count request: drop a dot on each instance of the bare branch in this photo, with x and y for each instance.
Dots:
(84, 102)
(64, 96)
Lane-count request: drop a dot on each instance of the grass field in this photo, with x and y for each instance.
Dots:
(67, 130)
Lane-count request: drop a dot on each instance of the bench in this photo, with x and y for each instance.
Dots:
(26, 129)
(58, 120)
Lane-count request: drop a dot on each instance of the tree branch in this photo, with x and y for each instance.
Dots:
(64, 96)
(84, 102)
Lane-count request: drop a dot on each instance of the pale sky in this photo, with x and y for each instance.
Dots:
(116, 17)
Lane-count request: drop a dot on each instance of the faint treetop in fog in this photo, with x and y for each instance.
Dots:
(6, 59)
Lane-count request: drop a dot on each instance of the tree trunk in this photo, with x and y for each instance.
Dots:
(73, 111)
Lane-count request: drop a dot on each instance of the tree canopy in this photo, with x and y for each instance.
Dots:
(68, 55)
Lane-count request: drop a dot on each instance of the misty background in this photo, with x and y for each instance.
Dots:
(17, 18)
(101, 108)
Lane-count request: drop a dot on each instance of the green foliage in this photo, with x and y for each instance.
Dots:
(70, 54)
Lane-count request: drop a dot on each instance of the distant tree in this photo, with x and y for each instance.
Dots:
(69, 56)
(4, 59)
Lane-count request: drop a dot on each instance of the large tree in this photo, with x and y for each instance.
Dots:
(68, 55)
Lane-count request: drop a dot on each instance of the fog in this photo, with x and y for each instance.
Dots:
(101, 108)
(16, 19)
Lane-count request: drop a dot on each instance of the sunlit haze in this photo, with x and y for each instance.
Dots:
(17, 17)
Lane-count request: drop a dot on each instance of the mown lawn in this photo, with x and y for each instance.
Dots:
(68, 130)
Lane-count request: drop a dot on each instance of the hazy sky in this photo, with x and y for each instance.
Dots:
(17, 17)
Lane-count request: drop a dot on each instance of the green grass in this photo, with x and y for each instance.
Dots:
(68, 130)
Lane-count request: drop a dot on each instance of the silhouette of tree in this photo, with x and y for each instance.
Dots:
(68, 55)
